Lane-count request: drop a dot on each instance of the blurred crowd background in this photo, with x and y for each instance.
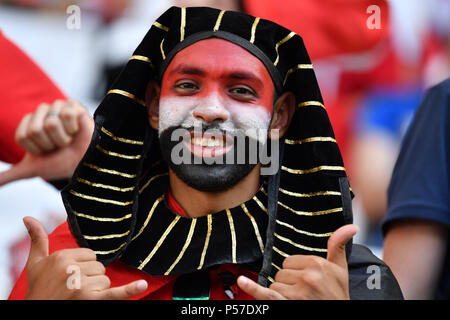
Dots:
(373, 59)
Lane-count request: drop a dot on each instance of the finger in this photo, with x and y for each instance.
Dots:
(22, 138)
(69, 115)
(36, 130)
(287, 276)
(285, 290)
(300, 262)
(336, 244)
(96, 283)
(79, 254)
(54, 128)
(257, 291)
(22, 170)
(124, 292)
(39, 240)
(92, 268)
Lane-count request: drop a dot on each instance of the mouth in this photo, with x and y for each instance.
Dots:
(206, 144)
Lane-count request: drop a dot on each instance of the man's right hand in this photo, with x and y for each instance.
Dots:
(48, 276)
(55, 137)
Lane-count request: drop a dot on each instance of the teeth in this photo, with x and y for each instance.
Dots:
(207, 142)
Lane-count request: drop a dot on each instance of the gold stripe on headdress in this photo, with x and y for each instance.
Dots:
(281, 253)
(182, 23)
(276, 267)
(142, 58)
(128, 95)
(160, 26)
(162, 49)
(111, 251)
(110, 134)
(103, 219)
(270, 279)
(299, 245)
(104, 186)
(310, 103)
(160, 242)
(279, 43)
(88, 197)
(150, 213)
(107, 236)
(219, 21)
(297, 67)
(151, 179)
(311, 234)
(253, 33)
(205, 247)
(259, 203)
(115, 154)
(147, 171)
(186, 244)
(118, 173)
(233, 235)
(310, 213)
(311, 194)
(255, 227)
(312, 170)
(311, 139)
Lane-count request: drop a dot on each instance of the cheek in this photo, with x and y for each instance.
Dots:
(251, 117)
(173, 111)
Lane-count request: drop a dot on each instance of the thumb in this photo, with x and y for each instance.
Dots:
(337, 242)
(124, 292)
(22, 170)
(39, 240)
(86, 123)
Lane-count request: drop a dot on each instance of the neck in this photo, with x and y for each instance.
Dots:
(200, 203)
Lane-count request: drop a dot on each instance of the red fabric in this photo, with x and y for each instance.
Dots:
(23, 86)
(328, 27)
(159, 287)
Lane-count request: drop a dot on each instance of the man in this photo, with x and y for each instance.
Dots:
(217, 81)
(416, 227)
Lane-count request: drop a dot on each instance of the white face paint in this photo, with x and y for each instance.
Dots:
(252, 119)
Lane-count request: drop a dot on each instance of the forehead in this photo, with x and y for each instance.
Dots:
(217, 56)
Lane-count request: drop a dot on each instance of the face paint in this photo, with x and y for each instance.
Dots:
(214, 85)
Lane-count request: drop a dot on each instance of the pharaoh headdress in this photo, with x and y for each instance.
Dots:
(115, 201)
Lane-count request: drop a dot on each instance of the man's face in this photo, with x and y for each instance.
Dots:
(218, 93)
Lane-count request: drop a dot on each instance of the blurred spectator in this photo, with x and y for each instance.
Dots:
(418, 219)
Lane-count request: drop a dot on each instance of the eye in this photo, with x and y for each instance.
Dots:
(186, 86)
(243, 92)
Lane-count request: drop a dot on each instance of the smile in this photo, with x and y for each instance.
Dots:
(207, 145)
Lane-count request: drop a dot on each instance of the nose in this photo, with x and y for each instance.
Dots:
(211, 110)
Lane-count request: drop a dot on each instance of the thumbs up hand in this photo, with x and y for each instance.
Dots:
(309, 277)
(49, 276)
(55, 137)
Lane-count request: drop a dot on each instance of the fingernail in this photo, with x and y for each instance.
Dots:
(141, 285)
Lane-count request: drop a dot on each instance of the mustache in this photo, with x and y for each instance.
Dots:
(227, 126)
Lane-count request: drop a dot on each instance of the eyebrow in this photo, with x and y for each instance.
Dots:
(245, 75)
(235, 74)
(185, 69)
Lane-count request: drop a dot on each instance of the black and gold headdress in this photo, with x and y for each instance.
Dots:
(115, 201)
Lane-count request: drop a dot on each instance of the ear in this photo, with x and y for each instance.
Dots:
(152, 101)
(283, 112)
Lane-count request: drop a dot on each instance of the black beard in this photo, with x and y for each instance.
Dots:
(215, 175)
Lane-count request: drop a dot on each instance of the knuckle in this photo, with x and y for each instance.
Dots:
(50, 124)
(33, 131)
(311, 278)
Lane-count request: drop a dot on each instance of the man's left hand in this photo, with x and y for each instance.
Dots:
(309, 277)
